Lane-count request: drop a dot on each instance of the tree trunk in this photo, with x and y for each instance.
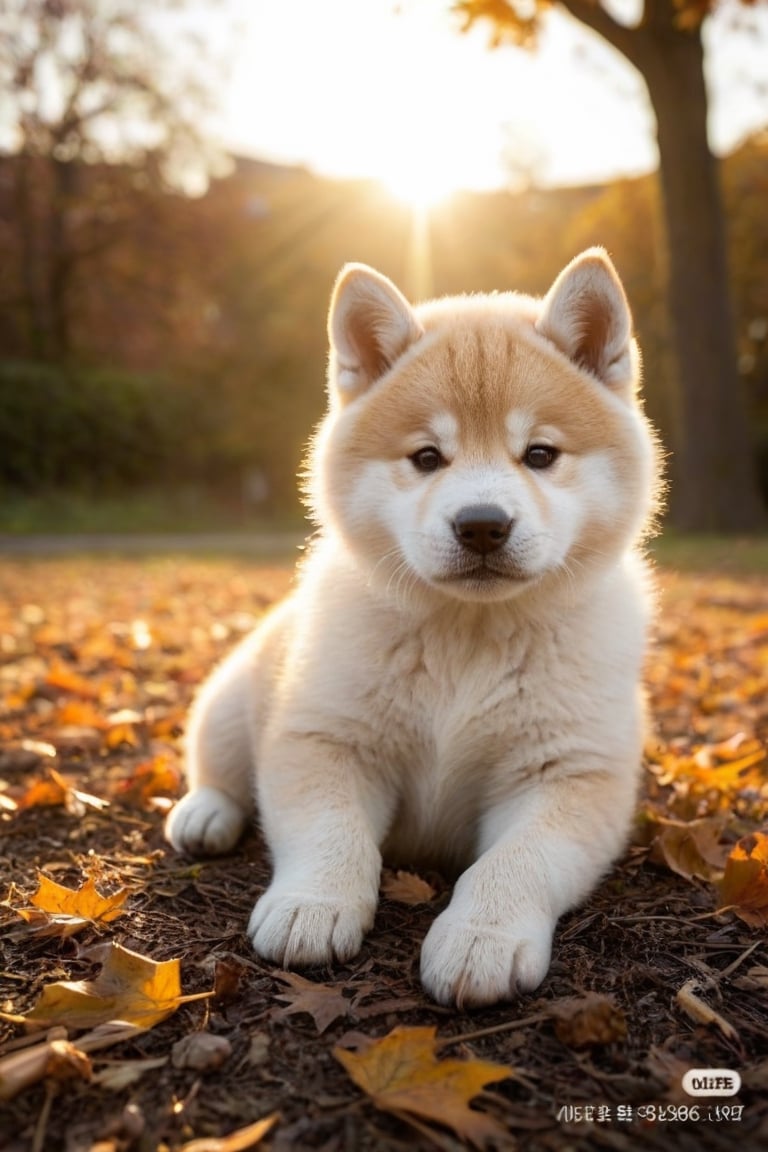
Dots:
(714, 478)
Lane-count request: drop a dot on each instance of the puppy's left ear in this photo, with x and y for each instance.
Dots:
(370, 324)
(585, 313)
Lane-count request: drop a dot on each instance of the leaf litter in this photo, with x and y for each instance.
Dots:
(663, 969)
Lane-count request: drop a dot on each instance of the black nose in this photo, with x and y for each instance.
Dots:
(482, 527)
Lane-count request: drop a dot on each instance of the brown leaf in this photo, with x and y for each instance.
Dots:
(590, 1019)
(323, 1002)
(406, 888)
(691, 848)
(401, 1074)
(744, 886)
(202, 1051)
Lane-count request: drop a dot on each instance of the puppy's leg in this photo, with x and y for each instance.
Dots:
(211, 817)
(544, 852)
(324, 820)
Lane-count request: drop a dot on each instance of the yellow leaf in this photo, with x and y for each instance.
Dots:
(401, 1074)
(406, 888)
(238, 1141)
(691, 848)
(85, 902)
(130, 988)
(744, 885)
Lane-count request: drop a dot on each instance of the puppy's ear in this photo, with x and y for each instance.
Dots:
(585, 313)
(370, 324)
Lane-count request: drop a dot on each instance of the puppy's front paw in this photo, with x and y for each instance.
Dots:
(297, 929)
(205, 822)
(467, 964)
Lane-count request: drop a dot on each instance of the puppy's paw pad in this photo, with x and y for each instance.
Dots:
(205, 822)
(295, 930)
(465, 964)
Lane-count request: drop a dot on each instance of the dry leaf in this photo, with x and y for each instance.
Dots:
(122, 1073)
(59, 911)
(590, 1019)
(130, 988)
(238, 1141)
(744, 886)
(402, 1075)
(159, 776)
(691, 848)
(698, 1010)
(55, 1059)
(323, 1002)
(406, 888)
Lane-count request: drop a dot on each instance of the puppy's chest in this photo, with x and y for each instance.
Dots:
(443, 700)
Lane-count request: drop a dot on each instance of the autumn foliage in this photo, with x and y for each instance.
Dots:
(132, 980)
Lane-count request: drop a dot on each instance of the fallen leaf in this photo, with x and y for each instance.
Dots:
(401, 1074)
(129, 987)
(238, 1141)
(323, 1002)
(55, 1059)
(594, 1018)
(691, 848)
(159, 776)
(54, 792)
(121, 1074)
(744, 886)
(406, 888)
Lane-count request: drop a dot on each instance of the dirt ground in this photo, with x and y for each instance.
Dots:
(98, 662)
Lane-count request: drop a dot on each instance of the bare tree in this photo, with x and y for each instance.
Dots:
(713, 468)
(99, 97)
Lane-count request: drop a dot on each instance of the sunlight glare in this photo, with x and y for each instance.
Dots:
(419, 188)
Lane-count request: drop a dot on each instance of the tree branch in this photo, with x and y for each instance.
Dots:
(629, 41)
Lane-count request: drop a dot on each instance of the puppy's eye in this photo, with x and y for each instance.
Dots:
(540, 456)
(427, 460)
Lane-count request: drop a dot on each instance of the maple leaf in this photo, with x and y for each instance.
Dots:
(406, 888)
(129, 987)
(323, 1002)
(744, 886)
(581, 1021)
(401, 1074)
(59, 911)
(691, 848)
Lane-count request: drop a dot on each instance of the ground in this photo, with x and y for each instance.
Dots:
(664, 969)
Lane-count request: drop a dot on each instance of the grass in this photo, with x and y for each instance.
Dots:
(149, 511)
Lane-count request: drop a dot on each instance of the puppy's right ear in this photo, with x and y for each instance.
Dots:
(370, 324)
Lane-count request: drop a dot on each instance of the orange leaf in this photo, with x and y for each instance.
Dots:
(156, 777)
(61, 676)
(406, 888)
(238, 1141)
(402, 1075)
(744, 885)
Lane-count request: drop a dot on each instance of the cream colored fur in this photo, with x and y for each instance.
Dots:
(469, 705)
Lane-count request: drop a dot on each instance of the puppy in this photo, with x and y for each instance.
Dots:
(455, 680)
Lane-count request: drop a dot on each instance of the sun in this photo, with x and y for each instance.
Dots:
(420, 187)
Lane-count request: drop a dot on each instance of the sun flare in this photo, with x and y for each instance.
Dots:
(419, 188)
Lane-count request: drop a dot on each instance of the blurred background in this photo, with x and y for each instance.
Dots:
(181, 180)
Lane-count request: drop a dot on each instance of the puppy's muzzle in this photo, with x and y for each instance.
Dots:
(482, 528)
